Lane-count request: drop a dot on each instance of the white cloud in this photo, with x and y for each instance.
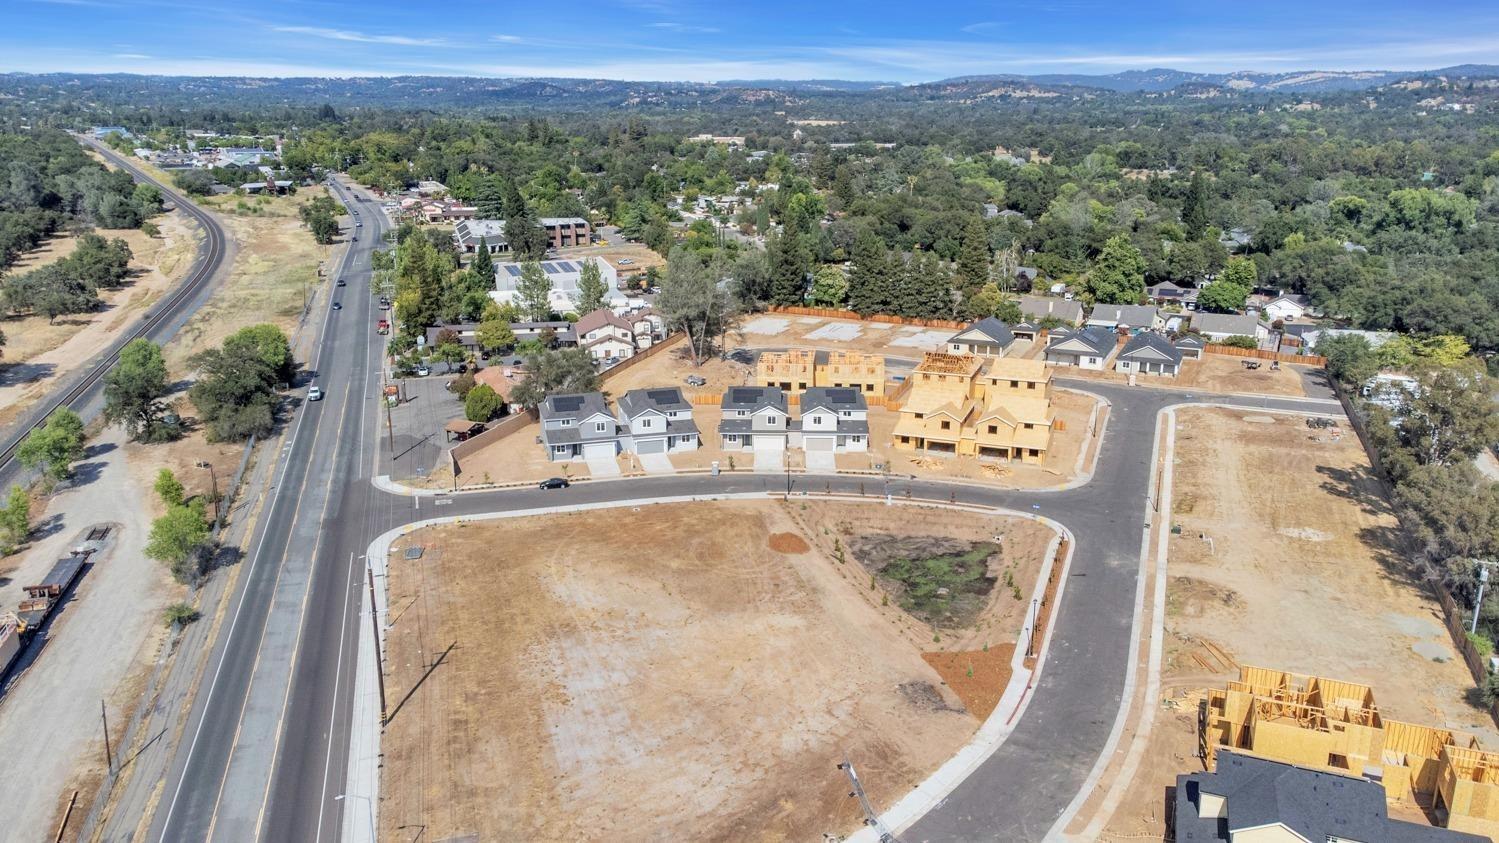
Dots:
(360, 37)
(684, 28)
(507, 39)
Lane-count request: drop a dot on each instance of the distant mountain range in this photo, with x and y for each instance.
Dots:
(77, 91)
(1165, 79)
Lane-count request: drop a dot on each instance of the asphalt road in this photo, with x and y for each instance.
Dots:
(83, 390)
(266, 749)
(219, 782)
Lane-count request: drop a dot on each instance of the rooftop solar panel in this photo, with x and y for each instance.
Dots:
(662, 396)
(513, 270)
(743, 395)
(567, 403)
(550, 268)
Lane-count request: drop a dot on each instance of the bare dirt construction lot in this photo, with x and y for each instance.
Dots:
(1286, 559)
(627, 674)
(37, 351)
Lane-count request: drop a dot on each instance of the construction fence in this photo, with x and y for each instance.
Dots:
(712, 398)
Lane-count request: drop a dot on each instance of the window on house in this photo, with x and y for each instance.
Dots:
(1031, 385)
(601, 426)
(946, 425)
(1014, 384)
(1035, 452)
(994, 428)
(567, 422)
(919, 415)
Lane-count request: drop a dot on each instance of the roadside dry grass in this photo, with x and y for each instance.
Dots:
(276, 265)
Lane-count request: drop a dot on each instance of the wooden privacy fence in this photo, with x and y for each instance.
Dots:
(1258, 354)
(658, 348)
(830, 313)
(495, 433)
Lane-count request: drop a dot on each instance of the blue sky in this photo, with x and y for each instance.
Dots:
(705, 41)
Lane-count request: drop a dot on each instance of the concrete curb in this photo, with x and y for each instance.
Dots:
(363, 781)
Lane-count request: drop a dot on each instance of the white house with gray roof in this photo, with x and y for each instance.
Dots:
(1084, 348)
(1220, 326)
(833, 419)
(988, 337)
(579, 426)
(1131, 317)
(657, 421)
(754, 418)
(1149, 354)
(1037, 308)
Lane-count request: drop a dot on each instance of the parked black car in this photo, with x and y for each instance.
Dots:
(555, 483)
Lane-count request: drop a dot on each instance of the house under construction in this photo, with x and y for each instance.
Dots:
(1328, 724)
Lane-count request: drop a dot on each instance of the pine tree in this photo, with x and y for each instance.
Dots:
(973, 257)
(870, 282)
(489, 199)
(1195, 207)
(591, 288)
(483, 263)
(789, 260)
(533, 292)
(527, 238)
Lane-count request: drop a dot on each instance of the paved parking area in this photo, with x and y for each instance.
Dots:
(416, 426)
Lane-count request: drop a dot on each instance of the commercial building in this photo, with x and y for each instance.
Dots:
(564, 275)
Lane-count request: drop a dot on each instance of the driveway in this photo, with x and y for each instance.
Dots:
(821, 461)
(603, 466)
(656, 464)
(769, 462)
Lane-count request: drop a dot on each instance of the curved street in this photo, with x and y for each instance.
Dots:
(265, 752)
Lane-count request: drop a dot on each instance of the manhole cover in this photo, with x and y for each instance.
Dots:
(413, 552)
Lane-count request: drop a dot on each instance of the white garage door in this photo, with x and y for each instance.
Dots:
(650, 446)
(596, 450)
(821, 443)
(770, 443)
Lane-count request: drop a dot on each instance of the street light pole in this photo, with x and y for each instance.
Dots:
(370, 803)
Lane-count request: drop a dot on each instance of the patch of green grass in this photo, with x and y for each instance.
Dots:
(946, 590)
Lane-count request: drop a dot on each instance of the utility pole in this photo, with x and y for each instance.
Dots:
(109, 760)
(1030, 640)
(213, 479)
(375, 628)
(1483, 579)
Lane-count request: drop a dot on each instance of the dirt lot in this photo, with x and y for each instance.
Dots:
(1223, 374)
(1285, 560)
(277, 260)
(678, 684)
(38, 352)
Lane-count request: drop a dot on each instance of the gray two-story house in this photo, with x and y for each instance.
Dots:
(834, 419)
(578, 426)
(754, 418)
(657, 421)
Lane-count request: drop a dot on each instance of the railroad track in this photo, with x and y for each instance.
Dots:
(207, 264)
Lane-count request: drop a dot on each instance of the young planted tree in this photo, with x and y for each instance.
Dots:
(133, 390)
(169, 488)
